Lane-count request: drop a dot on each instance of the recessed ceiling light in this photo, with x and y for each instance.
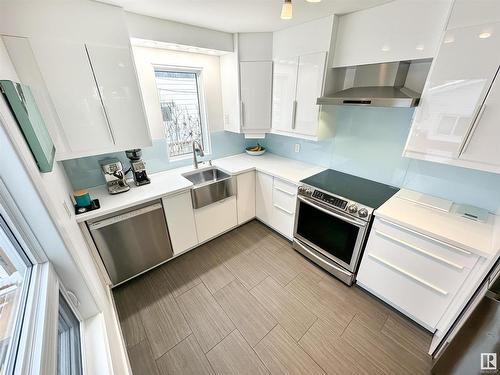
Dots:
(449, 39)
(385, 48)
(484, 35)
(286, 10)
(420, 47)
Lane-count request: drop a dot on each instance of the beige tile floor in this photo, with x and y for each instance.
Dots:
(247, 303)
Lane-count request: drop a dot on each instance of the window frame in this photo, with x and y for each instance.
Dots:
(12, 354)
(202, 109)
(37, 344)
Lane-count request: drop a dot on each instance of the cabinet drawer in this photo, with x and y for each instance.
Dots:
(424, 244)
(283, 221)
(436, 272)
(284, 200)
(284, 186)
(216, 218)
(420, 302)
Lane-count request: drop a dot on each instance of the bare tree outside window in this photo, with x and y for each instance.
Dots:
(180, 108)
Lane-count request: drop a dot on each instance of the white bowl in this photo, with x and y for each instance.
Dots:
(255, 153)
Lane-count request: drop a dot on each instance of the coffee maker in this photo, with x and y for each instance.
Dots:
(114, 175)
(138, 167)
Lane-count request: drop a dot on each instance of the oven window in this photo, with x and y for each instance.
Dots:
(329, 233)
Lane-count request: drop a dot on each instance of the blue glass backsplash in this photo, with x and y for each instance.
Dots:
(368, 142)
(85, 172)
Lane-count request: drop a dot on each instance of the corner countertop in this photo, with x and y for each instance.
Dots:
(172, 182)
(479, 238)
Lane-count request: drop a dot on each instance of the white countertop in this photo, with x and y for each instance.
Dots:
(476, 237)
(172, 181)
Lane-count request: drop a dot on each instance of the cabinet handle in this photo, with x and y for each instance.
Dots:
(108, 123)
(408, 274)
(473, 130)
(418, 249)
(284, 191)
(426, 236)
(294, 113)
(99, 92)
(282, 209)
(242, 111)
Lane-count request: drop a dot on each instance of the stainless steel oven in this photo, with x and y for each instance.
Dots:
(331, 231)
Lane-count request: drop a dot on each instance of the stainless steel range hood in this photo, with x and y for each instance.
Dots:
(394, 84)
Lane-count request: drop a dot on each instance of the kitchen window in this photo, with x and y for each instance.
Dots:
(15, 271)
(69, 358)
(182, 109)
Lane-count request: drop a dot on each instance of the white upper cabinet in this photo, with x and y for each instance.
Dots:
(300, 59)
(398, 30)
(284, 88)
(297, 83)
(116, 79)
(255, 81)
(68, 75)
(482, 144)
(246, 83)
(93, 90)
(310, 77)
(451, 123)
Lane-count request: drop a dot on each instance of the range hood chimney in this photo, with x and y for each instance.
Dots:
(393, 84)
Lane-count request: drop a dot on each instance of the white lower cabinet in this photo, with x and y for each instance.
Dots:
(264, 197)
(180, 220)
(415, 274)
(275, 203)
(216, 218)
(246, 196)
(284, 201)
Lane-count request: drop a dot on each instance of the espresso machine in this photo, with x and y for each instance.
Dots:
(138, 167)
(114, 175)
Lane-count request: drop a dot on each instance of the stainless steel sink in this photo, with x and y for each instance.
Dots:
(210, 185)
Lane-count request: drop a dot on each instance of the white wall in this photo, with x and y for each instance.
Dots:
(41, 198)
(151, 28)
(145, 58)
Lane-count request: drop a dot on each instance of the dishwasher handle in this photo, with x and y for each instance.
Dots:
(125, 216)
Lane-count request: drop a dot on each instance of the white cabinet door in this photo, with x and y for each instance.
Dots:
(310, 76)
(460, 77)
(482, 145)
(284, 87)
(117, 81)
(180, 220)
(216, 218)
(264, 197)
(255, 80)
(246, 196)
(70, 82)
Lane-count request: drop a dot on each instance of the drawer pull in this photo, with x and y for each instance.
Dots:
(282, 209)
(418, 249)
(411, 276)
(284, 191)
(426, 236)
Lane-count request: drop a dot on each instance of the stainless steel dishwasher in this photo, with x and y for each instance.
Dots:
(132, 241)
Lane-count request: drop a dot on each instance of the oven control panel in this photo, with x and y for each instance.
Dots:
(333, 201)
(351, 208)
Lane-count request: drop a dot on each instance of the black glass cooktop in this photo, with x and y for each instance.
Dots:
(369, 193)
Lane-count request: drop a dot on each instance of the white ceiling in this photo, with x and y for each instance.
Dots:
(240, 15)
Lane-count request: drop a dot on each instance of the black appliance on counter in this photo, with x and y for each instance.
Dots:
(333, 218)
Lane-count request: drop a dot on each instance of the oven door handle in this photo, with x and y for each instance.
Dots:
(352, 221)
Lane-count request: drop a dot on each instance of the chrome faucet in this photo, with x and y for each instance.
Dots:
(197, 149)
